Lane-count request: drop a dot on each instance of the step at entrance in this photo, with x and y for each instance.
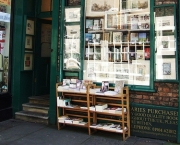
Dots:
(36, 110)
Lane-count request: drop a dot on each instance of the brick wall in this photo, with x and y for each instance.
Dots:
(166, 95)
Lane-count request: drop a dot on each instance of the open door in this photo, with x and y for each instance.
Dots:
(43, 58)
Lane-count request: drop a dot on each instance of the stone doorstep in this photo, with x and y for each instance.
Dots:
(39, 100)
(32, 114)
(39, 106)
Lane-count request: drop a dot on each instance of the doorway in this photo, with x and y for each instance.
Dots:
(42, 58)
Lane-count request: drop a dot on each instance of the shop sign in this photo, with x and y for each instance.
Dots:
(154, 121)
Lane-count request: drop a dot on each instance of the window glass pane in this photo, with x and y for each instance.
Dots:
(118, 41)
(5, 9)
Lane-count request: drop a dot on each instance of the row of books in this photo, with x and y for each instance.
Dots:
(108, 126)
(118, 37)
(81, 84)
(71, 120)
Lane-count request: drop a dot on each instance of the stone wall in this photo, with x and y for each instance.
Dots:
(166, 95)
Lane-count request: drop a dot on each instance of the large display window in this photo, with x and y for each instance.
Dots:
(5, 11)
(118, 41)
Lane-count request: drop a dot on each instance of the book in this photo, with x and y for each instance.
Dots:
(134, 22)
(79, 84)
(140, 54)
(66, 82)
(77, 120)
(147, 53)
(93, 125)
(112, 110)
(141, 38)
(88, 37)
(89, 23)
(101, 107)
(104, 86)
(119, 86)
(62, 118)
(134, 38)
(68, 120)
(125, 54)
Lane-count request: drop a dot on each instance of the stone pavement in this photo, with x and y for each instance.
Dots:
(16, 132)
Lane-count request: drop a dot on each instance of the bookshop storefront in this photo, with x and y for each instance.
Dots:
(134, 42)
(130, 41)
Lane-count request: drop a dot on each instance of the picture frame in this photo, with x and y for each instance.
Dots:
(140, 5)
(72, 46)
(28, 42)
(117, 37)
(73, 2)
(123, 73)
(164, 23)
(139, 21)
(30, 27)
(73, 31)
(72, 14)
(112, 20)
(97, 8)
(165, 68)
(28, 61)
(141, 72)
(165, 45)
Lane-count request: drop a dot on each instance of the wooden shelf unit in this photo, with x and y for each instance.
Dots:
(91, 98)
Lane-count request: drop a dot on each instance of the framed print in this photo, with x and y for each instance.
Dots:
(141, 72)
(28, 42)
(166, 68)
(165, 45)
(30, 27)
(164, 23)
(140, 4)
(117, 37)
(112, 20)
(73, 31)
(28, 58)
(73, 2)
(98, 7)
(124, 72)
(72, 14)
(72, 46)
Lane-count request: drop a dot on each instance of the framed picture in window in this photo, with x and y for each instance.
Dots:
(28, 42)
(73, 31)
(73, 2)
(28, 58)
(165, 68)
(117, 37)
(72, 14)
(98, 7)
(30, 27)
(112, 20)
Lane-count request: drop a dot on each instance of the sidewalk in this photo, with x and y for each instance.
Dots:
(16, 132)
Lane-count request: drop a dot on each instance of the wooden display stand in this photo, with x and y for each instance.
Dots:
(81, 107)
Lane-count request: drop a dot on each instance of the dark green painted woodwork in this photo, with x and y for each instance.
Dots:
(29, 7)
(158, 122)
(17, 50)
(53, 70)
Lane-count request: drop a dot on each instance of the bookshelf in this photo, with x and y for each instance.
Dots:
(96, 111)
